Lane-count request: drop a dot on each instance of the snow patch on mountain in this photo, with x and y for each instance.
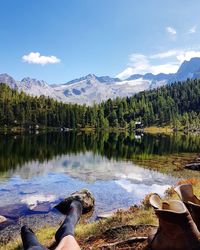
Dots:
(93, 89)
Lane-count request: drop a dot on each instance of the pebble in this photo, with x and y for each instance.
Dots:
(2, 219)
(105, 215)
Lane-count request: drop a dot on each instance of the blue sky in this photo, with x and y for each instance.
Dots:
(59, 40)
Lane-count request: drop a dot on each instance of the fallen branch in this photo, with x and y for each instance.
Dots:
(127, 241)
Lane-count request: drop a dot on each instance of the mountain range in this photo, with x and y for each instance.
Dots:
(91, 88)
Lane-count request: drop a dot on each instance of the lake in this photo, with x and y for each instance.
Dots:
(38, 170)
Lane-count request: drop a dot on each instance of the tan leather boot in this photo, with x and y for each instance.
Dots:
(177, 230)
(185, 192)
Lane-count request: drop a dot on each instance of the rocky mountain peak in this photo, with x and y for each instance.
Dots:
(27, 81)
(91, 88)
(9, 80)
(189, 69)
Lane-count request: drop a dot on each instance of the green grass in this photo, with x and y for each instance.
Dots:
(158, 130)
(85, 230)
(143, 214)
(169, 164)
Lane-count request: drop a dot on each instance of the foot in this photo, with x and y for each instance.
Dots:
(29, 239)
(73, 214)
(84, 196)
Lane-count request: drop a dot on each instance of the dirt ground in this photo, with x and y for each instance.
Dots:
(123, 237)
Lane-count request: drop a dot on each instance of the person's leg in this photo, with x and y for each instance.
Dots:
(29, 240)
(65, 234)
(68, 243)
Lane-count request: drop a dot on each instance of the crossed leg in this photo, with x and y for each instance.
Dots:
(68, 243)
(64, 235)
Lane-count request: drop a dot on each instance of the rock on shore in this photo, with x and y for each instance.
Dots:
(2, 219)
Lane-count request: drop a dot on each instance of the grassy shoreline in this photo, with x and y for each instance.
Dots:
(159, 130)
(141, 215)
(168, 130)
(92, 235)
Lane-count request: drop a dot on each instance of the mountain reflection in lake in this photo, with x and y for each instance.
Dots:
(44, 168)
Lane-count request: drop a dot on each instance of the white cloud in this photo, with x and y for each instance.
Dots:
(165, 68)
(171, 30)
(192, 30)
(156, 63)
(180, 55)
(165, 54)
(36, 58)
(187, 55)
(126, 73)
(141, 64)
(138, 63)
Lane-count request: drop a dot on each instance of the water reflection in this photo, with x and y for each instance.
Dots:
(18, 150)
(36, 171)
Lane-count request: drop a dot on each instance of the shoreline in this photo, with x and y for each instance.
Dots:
(115, 229)
(136, 215)
(168, 130)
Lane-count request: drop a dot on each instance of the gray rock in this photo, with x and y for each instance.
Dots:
(84, 196)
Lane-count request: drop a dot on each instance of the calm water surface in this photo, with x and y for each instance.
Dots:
(36, 171)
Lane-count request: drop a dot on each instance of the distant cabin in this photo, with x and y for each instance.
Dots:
(138, 125)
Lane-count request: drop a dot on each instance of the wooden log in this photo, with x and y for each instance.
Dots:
(193, 166)
(131, 240)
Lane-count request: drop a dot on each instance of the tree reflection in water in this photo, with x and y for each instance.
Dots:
(18, 150)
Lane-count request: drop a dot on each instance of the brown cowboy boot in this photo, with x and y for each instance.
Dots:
(185, 192)
(177, 230)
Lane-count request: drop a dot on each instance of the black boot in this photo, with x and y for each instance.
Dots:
(30, 242)
(73, 215)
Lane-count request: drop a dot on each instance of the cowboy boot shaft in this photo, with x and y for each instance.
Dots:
(185, 192)
(177, 230)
